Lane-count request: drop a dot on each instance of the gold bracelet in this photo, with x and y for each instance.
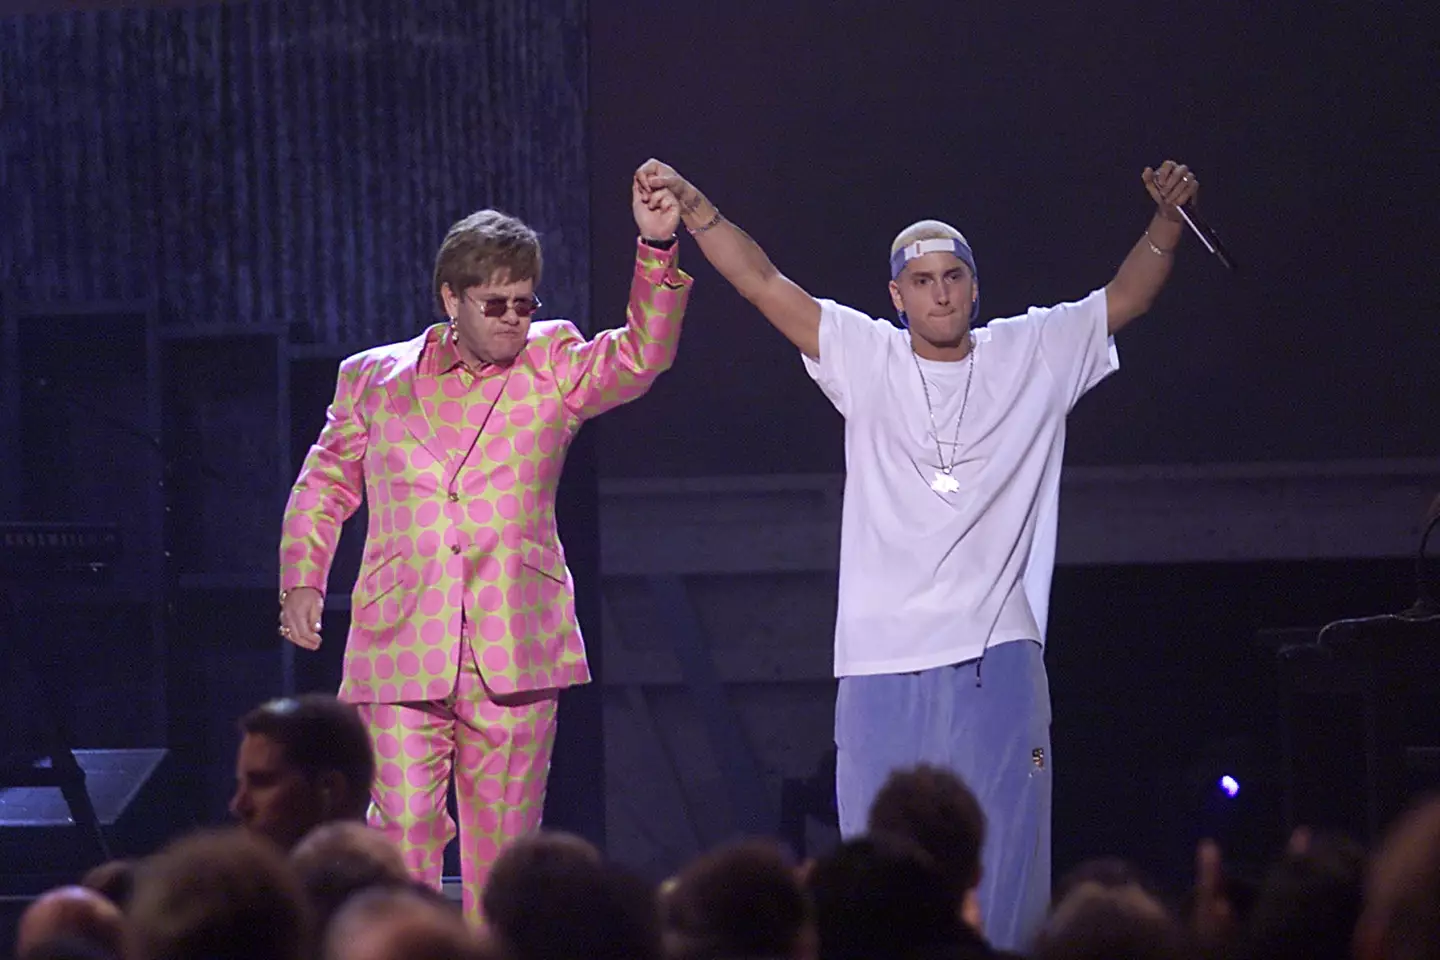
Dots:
(286, 593)
(714, 222)
(1158, 251)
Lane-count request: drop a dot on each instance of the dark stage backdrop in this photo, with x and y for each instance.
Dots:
(824, 126)
(287, 163)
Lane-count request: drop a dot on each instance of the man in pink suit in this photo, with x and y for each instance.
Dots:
(463, 625)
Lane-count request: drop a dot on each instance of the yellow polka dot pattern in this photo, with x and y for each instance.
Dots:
(459, 471)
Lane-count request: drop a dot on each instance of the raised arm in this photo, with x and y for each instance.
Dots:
(1143, 273)
(620, 365)
(740, 260)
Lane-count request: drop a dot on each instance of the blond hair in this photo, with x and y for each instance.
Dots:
(926, 230)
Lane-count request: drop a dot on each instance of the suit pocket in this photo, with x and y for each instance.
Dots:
(379, 580)
(544, 559)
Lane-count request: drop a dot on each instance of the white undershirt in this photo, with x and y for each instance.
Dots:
(928, 578)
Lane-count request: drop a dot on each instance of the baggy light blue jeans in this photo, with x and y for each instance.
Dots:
(988, 721)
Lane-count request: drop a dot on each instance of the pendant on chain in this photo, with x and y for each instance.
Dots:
(944, 483)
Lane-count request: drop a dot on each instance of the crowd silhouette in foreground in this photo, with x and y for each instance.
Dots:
(302, 877)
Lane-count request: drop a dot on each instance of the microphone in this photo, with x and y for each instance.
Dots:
(1207, 236)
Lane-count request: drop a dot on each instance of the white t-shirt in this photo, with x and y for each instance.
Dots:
(927, 578)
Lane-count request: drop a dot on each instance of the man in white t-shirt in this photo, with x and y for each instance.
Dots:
(954, 436)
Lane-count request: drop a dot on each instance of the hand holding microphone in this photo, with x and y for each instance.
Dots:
(1174, 188)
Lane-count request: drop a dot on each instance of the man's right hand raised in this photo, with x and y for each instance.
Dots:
(300, 617)
(738, 258)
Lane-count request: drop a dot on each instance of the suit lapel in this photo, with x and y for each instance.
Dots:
(404, 403)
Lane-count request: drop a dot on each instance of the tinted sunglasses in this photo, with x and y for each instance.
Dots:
(497, 306)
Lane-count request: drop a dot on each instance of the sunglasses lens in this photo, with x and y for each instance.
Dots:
(496, 307)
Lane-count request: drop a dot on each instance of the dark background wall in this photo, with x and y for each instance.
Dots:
(824, 126)
(286, 163)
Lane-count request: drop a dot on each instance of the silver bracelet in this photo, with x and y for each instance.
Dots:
(714, 222)
(1158, 251)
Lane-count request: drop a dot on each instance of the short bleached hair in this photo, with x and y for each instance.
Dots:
(926, 230)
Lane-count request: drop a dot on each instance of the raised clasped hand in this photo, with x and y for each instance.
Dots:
(657, 211)
(1170, 186)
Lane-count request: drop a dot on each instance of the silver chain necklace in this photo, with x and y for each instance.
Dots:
(944, 482)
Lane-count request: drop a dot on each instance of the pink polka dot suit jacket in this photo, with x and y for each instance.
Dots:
(460, 472)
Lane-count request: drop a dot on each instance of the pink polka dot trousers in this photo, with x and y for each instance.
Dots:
(496, 747)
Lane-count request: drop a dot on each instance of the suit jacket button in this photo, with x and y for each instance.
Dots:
(454, 497)
(455, 548)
